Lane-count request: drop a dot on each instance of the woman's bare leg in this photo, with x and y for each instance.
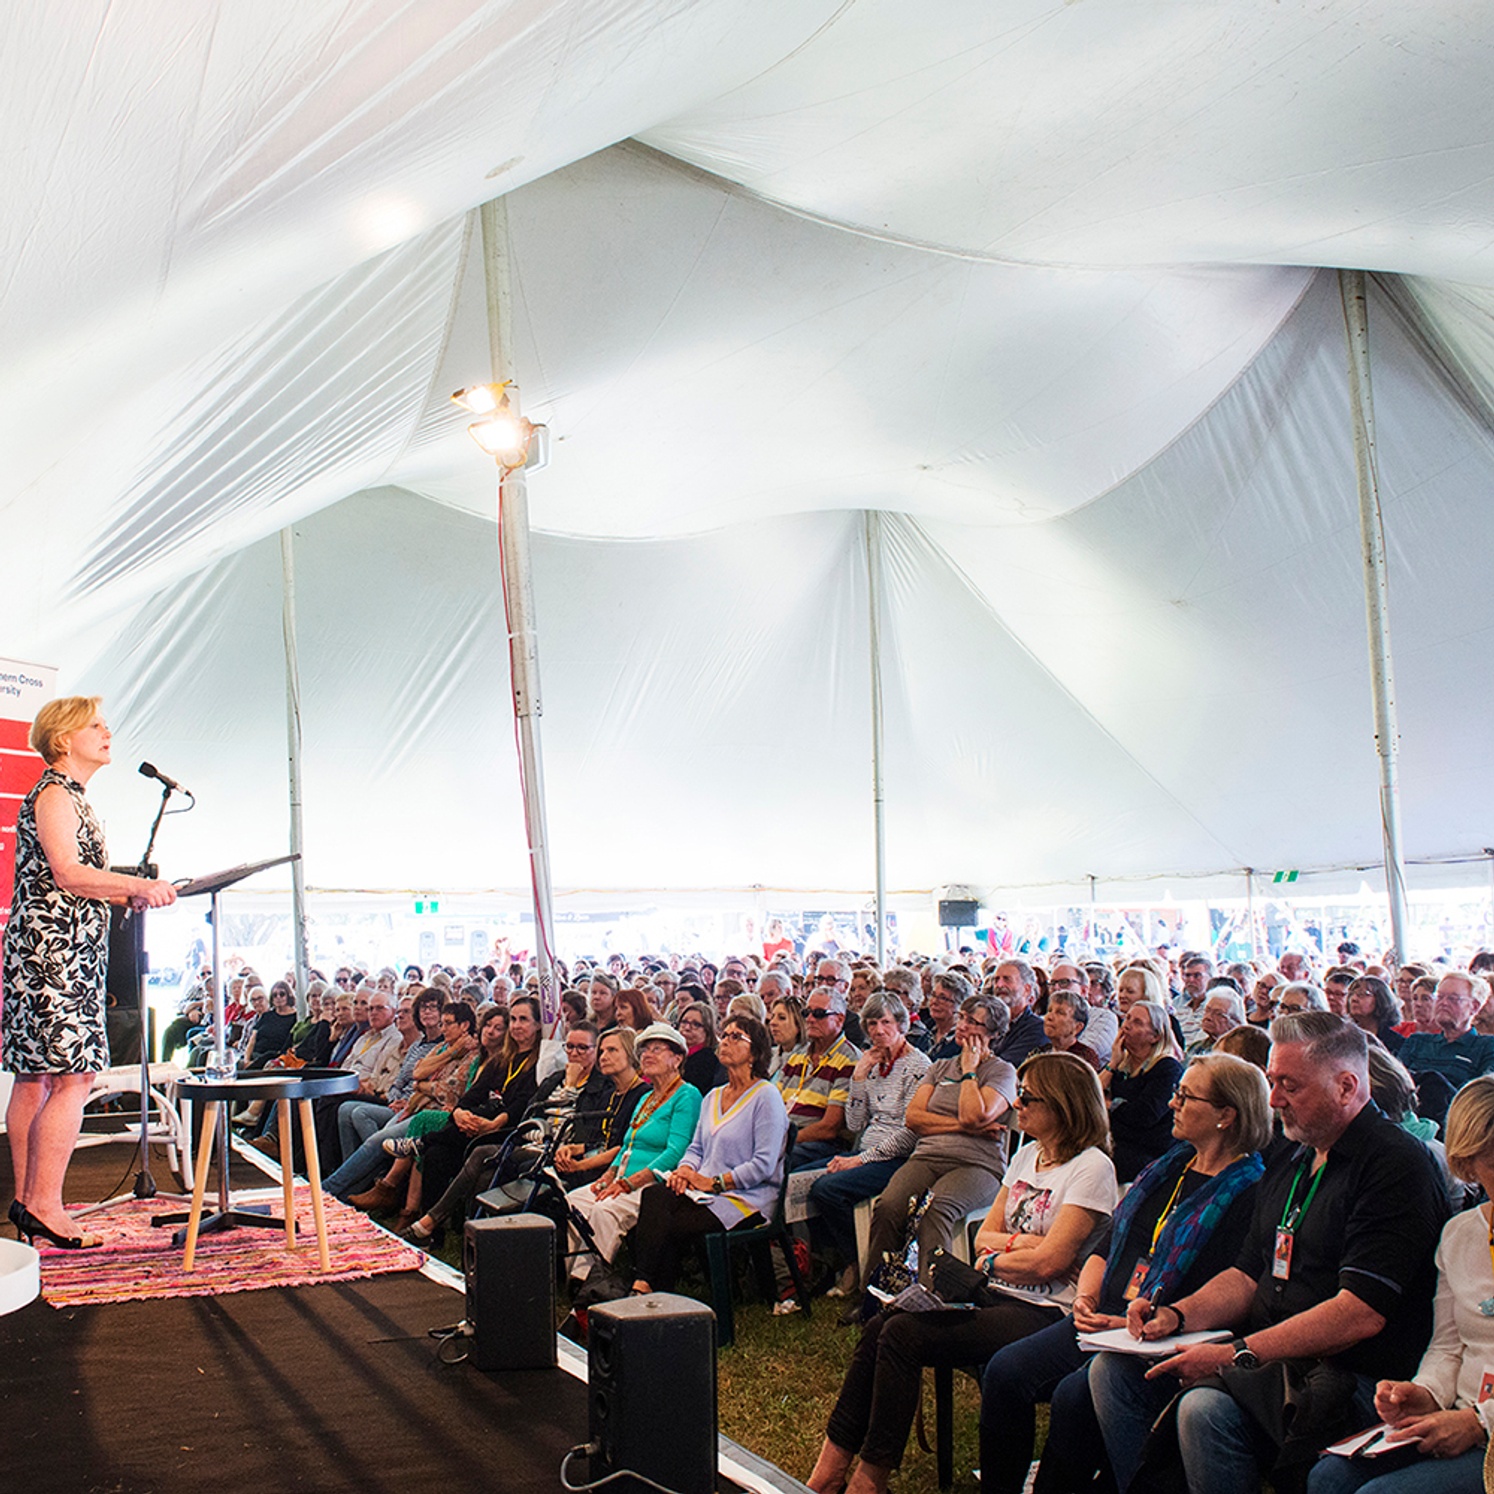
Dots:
(869, 1479)
(830, 1471)
(49, 1147)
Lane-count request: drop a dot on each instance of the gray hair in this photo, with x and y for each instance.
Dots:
(1024, 971)
(954, 985)
(900, 979)
(1234, 1006)
(836, 1000)
(885, 1004)
(842, 969)
(774, 980)
(1077, 1005)
(1316, 1000)
(1327, 1038)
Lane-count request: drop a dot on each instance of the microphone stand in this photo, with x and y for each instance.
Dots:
(145, 1184)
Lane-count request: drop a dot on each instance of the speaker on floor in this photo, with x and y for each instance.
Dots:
(651, 1377)
(509, 1264)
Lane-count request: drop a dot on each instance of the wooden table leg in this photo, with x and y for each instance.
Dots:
(199, 1180)
(284, 1124)
(314, 1177)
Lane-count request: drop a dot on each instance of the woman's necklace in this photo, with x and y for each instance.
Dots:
(653, 1102)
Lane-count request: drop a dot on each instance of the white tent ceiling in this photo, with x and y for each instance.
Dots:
(1035, 281)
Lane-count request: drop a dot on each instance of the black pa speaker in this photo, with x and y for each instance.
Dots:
(651, 1377)
(510, 1269)
(128, 964)
(958, 913)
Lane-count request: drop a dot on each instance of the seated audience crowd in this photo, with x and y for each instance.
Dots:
(1276, 1180)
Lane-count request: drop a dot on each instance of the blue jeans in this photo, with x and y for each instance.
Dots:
(1125, 1405)
(1460, 1475)
(1225, 1451)
(367, 1163)
(809, 1154)
(357, 1121)
(836, 1195)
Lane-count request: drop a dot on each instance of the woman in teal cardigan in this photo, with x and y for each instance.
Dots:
(661, 1129)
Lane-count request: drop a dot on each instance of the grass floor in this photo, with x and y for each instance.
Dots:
(778, 1381)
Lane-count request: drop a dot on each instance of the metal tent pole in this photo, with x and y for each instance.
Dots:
(518, 586)
(1250, 911)
(873, 531)
(293, 754)
(1376, 594)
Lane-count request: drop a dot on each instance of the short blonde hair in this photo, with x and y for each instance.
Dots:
(59, 719)
(1470, 1126)
(1154, 992)
(1239, 1084)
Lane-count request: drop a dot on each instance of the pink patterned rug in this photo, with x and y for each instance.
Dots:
(137, 1261)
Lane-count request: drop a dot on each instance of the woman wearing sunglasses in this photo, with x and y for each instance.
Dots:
(1181, 1222)
(1058, 1189)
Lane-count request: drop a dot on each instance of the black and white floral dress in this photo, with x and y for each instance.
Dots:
(56, 954)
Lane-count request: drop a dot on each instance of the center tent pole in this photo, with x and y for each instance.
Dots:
(293, 755)
(1376, 595)
(518, 596)
(873, 532)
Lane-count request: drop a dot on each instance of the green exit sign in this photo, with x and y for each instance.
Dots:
(1279, 878)
(427, 905)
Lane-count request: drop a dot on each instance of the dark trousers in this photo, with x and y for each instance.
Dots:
(442, 1154)
(880, 1395)
(668, 1222)
(1017, 1380)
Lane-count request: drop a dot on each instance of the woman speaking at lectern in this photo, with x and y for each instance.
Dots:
(52, 1035)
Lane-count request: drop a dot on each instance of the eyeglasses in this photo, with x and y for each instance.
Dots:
(735, 1037)
(578, 1047)
(820, 1012)
(1181, 1096)
(1026, 1097)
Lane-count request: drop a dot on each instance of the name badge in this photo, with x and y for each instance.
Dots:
(1281, 1257)
(1133, 1287)
(1486, 1387)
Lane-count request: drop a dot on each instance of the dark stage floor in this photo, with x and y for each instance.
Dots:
(323, 1387)
(326, 1388)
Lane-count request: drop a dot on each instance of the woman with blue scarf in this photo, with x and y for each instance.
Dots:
(1180, 1223)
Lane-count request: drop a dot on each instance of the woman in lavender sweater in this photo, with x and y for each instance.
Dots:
(730, 1172)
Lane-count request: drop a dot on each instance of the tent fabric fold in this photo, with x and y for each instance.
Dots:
(1050, 286)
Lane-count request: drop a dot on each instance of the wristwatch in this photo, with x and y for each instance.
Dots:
(1244, 1358)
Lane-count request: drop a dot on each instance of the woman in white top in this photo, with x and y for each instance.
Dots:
(1057, 1190)
(1443, 1417)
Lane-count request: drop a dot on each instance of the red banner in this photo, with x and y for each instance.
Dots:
(24, 689)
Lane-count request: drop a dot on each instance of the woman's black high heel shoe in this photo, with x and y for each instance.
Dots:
(30, 1227)
(17, 1208)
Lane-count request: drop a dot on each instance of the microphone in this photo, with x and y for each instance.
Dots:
(150, 770)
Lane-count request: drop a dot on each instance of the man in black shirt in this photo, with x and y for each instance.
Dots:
(1337, 1272)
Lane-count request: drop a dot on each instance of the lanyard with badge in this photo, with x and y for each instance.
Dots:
(1291, 1220)
(1144, 1262)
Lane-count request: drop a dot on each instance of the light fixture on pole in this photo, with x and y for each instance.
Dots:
(506, 436)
